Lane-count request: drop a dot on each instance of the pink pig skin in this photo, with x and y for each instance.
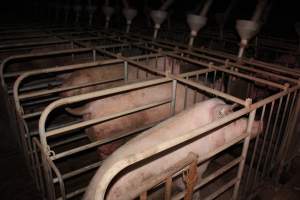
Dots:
(129, 185)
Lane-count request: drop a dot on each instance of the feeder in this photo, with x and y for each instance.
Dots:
(91, 9)
(129, 14)
(246, 29)
(77, 8)
(195, 22)
(158, 16)
(108, 12)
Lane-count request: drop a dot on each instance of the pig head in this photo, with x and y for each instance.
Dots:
(130, 184)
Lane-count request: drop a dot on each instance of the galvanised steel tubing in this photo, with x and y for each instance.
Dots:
(292, 122)
(280, 129)
(211, 126)
(48, 162)
(104, 141)
(65, 69)
(215, 174)
(62, 89)
(271, 139)
(43, 117)
(255, 147)
(240, 66)
(240, 74)
(220, 54)
(92, 122)
(34, 55)
(231, 57)
(209, 90)
(78, 171)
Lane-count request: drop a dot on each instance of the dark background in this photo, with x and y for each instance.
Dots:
(283, 15)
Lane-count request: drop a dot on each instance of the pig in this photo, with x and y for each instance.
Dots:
(129, 185)
(91, 75)
(123, 102)
(116, 71)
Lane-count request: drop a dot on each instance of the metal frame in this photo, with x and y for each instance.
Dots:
(43, 159)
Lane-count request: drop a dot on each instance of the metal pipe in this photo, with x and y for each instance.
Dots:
(205, 8)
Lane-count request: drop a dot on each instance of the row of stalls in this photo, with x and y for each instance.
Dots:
(49, 72)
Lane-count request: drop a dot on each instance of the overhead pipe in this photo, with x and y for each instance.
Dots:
(196, 22)
(108, 12)
(77, 9)
(247, 29)
(222, 18)
(66, 8)
(91, 9)
(159, 16)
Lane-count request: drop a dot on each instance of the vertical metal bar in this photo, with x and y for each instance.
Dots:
(244, 155)
(72, 47)
(255, 147)
(215, 75)
(94, 55)
(191, 180)
(168, 190)
(280, 130)
(125, 71)
(272, 136)
(173, 102)
(35, 170)
(264, 141)
(293, 116)
(185, 94)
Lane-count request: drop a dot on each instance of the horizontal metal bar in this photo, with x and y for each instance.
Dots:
(66, 141)
(222, 189)
(62, 89)
(210, 90)
(73, 194)
(101, 142)
(79, 171)
(103, 119)
(211, 177)
(31, 115)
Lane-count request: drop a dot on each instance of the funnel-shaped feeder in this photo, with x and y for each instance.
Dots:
(108, 12)
(247, 29)
(158, 16)
(77, 9)
(129, 14)
(91, 10)
(195, 22)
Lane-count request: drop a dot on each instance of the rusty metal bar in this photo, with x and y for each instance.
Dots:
(244, 155)
(100, 142)
(103, 119)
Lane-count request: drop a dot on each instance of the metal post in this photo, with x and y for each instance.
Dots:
(244, 153)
